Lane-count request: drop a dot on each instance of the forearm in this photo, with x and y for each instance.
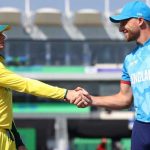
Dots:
(18, 83)
(123, 99)
(41, 89)
(111, 102)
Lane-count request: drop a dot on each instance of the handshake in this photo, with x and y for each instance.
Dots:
(79, 97)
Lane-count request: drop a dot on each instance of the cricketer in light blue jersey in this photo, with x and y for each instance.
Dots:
(136, 71)
(134, 24)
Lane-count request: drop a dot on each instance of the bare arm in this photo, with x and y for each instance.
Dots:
(121, 100)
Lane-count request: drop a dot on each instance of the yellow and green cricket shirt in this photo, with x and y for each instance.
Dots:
(10, 81)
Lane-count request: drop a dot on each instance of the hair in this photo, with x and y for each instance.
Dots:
(148, 22)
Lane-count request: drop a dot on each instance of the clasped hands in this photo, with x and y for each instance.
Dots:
(79, 97)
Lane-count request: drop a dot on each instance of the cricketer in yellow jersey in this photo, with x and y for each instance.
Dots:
(10, 81)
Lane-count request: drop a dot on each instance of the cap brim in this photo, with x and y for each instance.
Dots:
(117, 19)
(4, 28)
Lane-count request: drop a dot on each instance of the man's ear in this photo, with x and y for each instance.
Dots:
(141, 22)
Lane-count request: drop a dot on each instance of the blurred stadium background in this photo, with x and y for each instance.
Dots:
(67, 43)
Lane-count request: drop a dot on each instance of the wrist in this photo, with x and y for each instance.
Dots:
(93, 103)
(66, 92)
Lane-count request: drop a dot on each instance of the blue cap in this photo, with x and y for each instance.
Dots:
(4, 28)
(134, 9)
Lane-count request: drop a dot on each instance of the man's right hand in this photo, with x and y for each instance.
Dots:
(86, 97)
(73, 96)
(79, 97)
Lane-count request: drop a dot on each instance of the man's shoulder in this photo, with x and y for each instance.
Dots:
(131, 53)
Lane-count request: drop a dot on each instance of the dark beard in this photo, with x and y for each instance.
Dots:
(132, 37)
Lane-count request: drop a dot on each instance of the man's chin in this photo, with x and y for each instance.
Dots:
(128, 39)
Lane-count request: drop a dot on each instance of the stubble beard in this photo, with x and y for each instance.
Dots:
(132, 36)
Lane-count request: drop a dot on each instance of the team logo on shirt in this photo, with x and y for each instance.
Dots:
(134, 62)
(140, 76)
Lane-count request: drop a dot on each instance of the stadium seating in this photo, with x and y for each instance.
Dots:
(49, 22)
(87, 17)
(90, 23)
(13, 16)
(10, 15)
(48, 16)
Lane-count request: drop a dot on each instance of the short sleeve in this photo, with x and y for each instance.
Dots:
(125, 76)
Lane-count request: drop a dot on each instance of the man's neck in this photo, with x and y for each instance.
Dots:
(144, 36)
